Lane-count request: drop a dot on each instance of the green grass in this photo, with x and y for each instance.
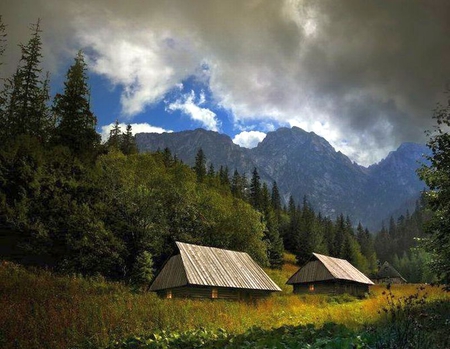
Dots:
(42, 310)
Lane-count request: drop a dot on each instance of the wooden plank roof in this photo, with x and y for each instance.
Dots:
(172, 275)
(210, 266)
(388, 271)
(328, 268)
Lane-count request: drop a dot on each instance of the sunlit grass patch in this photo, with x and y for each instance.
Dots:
(40, 309)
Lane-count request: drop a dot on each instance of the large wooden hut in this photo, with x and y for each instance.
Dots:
(208, 272)
(388, 274)
(329, 275)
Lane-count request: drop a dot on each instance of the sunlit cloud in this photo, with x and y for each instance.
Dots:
(189, 105)
(249, 139)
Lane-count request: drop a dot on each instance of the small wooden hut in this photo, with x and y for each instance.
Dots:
(329, 275)
(387, 274)
(208, 272)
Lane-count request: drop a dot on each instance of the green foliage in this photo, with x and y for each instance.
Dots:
(437, 176)
(75, 121)
(25, 96)
(410, 322)
(143, 269)
(200, 165)
(329, 336)
(125, 142)
(414, 266)
(2, 38)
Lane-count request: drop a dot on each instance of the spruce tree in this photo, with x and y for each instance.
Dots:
(128, 144)
(275, 197)
(211, 171)
(224, 176)
(436, 175)
(200, 166)
(115, 136)
(2, 39)
(255, 190)
(237, 187)
(75, 121)
(272, 237)
(3, 124)
(26, 94)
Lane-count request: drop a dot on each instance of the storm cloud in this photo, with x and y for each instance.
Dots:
(363, 74)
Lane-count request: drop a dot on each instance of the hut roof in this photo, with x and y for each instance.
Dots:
(210, 266)
(388, 271)
(328, 268)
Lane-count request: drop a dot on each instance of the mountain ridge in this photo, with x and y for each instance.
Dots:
(306, 165)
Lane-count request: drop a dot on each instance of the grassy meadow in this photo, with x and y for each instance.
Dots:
(42, 310)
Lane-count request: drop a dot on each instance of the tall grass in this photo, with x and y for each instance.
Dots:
(41, 310)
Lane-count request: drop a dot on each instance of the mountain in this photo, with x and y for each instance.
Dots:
(305, 164)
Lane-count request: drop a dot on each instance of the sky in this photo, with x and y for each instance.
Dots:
(364, 74)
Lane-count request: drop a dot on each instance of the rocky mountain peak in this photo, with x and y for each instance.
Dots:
(305, 164)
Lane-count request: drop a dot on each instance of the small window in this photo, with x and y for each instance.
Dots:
(311, 288)
(169, 294)
(214, 293)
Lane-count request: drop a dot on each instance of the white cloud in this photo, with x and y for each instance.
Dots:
(188, 106)
(144, 61)
(135, 128)
(249, 139)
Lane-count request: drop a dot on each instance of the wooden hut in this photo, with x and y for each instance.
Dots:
(208, 272)
(388, 274)
(324, 274)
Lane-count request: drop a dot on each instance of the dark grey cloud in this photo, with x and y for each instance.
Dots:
(364, 74)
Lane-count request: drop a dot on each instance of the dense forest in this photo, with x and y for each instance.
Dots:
(79, 206)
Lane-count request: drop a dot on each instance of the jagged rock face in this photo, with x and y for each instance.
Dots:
(304, 164)
(218, 148)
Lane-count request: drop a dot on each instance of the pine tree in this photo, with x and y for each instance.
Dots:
(168, 159)
(255, 190)
(115, 136)
(337, 245)
(211, 171)
(142, 273)
(272, 237)
(75, 121)
(128, 144)
(3, 120)
(275, 197)
(224, 176)
(26, 95)
(2, 38)
(238, 185)
(200, 166)
(289, 234)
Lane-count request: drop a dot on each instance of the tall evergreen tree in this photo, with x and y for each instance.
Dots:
(2, 39)
(272, 237)
(238, 185)
(26, 95)
(115, 136)
(337, 245)
(437, 176)
(200, 166)
(211, 171)
(128, 144)
(275, 197)
(3, 120)
(76, 122)
(255, 190)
